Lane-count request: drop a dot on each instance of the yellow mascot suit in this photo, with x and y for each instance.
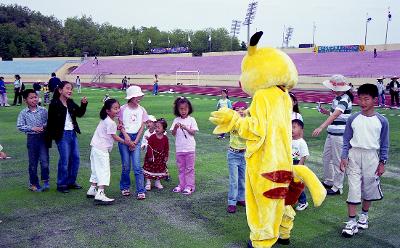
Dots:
(273, 184)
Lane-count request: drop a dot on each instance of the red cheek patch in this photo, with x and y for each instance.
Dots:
(276, 193)
(280, 176)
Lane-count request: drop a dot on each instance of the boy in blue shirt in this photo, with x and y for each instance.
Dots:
(364, 155)
(33, 121)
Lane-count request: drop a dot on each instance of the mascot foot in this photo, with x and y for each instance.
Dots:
(283, 241)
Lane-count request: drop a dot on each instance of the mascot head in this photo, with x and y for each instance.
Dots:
(266, 67)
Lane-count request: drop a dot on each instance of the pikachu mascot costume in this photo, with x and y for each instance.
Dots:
(273, 183)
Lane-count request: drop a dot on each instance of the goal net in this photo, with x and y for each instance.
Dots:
(187, 77)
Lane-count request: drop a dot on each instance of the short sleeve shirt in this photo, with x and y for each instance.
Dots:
(299, 149)
(102, 138)
(184, 142)
(343, 104)
(132, 118)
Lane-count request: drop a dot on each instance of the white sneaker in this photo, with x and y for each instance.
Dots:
(91, 193)
(362, 221)
(148, 185)
(350, 229)
(158, 184)
(102, 199)
(301, 206)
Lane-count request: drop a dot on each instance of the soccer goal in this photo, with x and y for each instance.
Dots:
(187, 77)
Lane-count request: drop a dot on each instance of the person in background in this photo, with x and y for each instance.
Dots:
(296, 110)
(394, 88)
(54, 82)
(223, 102)
(78, 84)
(155, 85)
(46, 94)
(381, 91)
(18, 89)
(37, 87)
(3, 155)
(336, 122)
(3, 94)
(124, 83)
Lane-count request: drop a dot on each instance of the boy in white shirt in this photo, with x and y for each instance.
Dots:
(299, 155)
(364, 155)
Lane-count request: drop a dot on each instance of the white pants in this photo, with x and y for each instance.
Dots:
(331, 158)
(100, 165)
(364, 184)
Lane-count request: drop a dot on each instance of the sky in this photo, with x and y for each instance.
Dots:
(339, 22)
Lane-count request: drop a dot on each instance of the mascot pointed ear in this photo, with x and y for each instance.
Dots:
(253, 42)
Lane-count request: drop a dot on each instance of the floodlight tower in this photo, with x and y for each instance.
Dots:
(250, 15)
(235, 30)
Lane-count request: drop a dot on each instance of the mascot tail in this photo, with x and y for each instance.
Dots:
(317, 190)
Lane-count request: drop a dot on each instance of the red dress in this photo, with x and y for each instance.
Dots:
(155, 165)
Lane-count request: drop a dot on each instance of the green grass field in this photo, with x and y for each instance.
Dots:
(166, 219)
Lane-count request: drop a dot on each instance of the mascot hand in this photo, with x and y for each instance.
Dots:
(225, 120)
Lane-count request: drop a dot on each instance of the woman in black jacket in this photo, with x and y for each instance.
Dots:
(62, 127)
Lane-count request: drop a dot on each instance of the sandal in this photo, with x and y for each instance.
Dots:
(177, 189)
(187, 191)
(141, 196)
(125, 192)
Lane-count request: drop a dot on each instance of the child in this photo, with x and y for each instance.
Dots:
(364, 155)
(33, 121)
(132, 117)
(18, 89)
(381, 92)
(37, 87)
(155, 161)
(62, 127)
(335, 123)
(299, 154)
(296, 111)
(223, 102)
(151, 127)
(78, 84)
(236, 164)
(184, 128)
(46, 94)
(3, 93)
(102, 143)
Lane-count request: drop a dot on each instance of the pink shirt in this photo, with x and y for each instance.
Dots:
(132, 119)
(102, 138)
(185, 143)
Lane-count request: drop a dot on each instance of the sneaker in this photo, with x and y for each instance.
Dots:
(231, 209)
(92, 192)
(362, 222)
(125, 192)
(177, 189)
(141, 196)
(333, 192)
(158, 184)
(350, 229)
(35, 188)
(241, 203)
(46, 186)
(187, 191)
(301, 206)
(102, 199)
(74, 186)
(326, 186)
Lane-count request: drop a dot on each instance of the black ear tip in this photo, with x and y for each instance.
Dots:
(255, 38)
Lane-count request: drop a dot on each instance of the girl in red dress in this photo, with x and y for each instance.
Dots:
(155, 161)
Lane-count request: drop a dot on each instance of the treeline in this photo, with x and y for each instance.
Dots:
(28, 33)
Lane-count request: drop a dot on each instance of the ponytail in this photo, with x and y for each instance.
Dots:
(107, 106)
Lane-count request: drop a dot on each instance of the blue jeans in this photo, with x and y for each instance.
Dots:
(129, 158)
(155, 89)
(302, 198)
(68, 164)
(37, 152)
(381, 99)
(237, 168)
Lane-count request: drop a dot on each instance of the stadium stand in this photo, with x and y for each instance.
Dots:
(30, 66)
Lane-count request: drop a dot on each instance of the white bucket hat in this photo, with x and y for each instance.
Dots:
(337, 83)
(133, 91)
(152, 118)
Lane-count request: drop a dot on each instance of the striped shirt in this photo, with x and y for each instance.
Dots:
(28, 119)
(343, 104)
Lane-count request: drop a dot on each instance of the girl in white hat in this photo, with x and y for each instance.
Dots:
(336, 122)
(132, 118)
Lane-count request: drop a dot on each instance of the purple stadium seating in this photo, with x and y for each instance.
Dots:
(362, 64)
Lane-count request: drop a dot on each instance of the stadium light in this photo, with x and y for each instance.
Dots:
(367, 20)
(250, 15)
(313, 34)
(235, 30)
(389, 18)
